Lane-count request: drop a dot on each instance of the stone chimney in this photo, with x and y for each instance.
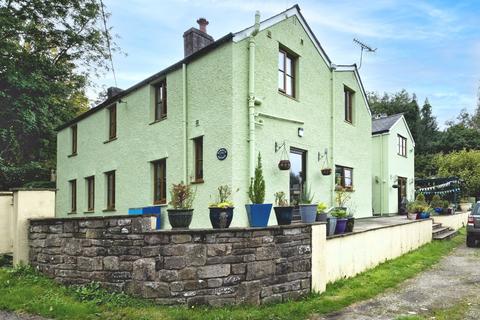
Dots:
(113, 91)
(195, 39)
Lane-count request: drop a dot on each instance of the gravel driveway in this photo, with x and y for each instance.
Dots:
(454, 280)
(4, 315)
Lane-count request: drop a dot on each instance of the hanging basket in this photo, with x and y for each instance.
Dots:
(326, 171)
(284, 165)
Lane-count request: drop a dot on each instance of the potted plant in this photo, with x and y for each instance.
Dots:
(437, 204)
(283, 211)
(182, 196)
(446, 207)
(341, 215)
(284, 164)
(321, 214)
(258, 212)
(350, 219)
(221, 211)
(331, 223)
(308, 210)
(326, 171)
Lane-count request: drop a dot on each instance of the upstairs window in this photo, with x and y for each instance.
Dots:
(344, 177)
(348, 93)
(110, 177)
(161, 100)
(402, 146)
(160, 181)
(90, 193)
(73, 196)
(112, 122)
(198, 143)
(286, 73)
(73, 131)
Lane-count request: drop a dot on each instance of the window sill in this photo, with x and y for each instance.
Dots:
(288, 96)
(72, 155)
(109, 210)
(110, 140)
(160, 204)
(199, 181)
(158, 120)
(72, 212)
(89, 211)
(348, 122)
(401, 155)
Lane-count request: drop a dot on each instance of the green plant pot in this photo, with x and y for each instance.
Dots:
(180, 218)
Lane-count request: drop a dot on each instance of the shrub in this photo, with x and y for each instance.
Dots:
(281, 199)
(256, 191)
(182, 196)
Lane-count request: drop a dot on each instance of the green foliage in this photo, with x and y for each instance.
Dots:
(436, 202)
(94, 293)
(339, 213)
(342, 196)
(321, 206)
(48, 48)
(420, 198)
(182, 196)
(281, 199)
(256, 191)
(46, 298)
(306, 196)
(224, 193)
(465, 165)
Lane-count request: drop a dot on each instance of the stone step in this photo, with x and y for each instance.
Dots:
(436, 226)
(440, 230)
(445, 235)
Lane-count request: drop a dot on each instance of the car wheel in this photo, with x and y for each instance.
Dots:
(470, 241)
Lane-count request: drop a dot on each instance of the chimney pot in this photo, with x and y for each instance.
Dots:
(202, 23)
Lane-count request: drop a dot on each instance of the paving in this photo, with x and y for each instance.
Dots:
(454, 280)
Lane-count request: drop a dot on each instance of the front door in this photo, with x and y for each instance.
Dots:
(402, 194)
(298, 173)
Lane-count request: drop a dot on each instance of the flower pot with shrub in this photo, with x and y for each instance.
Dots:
(221, 211)
(321, 214)
(182, 196)
(437, 204)
(341, 215)
(308, 210)
(283, 210)
(258, 212)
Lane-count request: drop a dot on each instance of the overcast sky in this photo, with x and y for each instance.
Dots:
(431, 48)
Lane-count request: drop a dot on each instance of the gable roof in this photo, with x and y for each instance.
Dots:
(383, 125)
(237, 36)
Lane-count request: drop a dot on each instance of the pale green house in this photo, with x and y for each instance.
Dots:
(393, 163)
(270, 88)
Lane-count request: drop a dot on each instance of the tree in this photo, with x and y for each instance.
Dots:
(47, 50)
(463, 164)
(427, 135)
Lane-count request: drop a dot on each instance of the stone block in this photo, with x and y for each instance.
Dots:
(144, 269)
(181, 238)
(195, 255)
(55, 228)
(214, 250)
(239, 268)
(90, 264)
(249, 292)
(150, 251)
(153, 239)
(155, 289)
(260, 269)
(176, 286)
(214, 282)
(175, 262)
(111, 263)
(94, 224)
(267, 252)
(72, 247)
(168, 275)
(192, 285)
(232, 280)
(188, 273)
(214, 271)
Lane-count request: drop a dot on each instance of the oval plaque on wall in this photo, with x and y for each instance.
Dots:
(222, 154)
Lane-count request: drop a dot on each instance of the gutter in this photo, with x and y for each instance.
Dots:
(251, 95)
(332, 134)
(184, 122)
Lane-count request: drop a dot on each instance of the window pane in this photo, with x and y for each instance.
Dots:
(289, 86)
(281, 61)
(281, 84)
(289, 66)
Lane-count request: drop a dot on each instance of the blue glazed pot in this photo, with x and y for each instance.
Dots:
(308, 213)
(331, 225)
(221, 217)
(258, 214)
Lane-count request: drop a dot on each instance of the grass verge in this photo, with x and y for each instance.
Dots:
(24, 290)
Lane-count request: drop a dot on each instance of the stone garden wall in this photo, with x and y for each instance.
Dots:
(215, 267)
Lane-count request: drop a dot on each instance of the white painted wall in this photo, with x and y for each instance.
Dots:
(28, 204)
(342, 257)
(455, 221)
(6, 227)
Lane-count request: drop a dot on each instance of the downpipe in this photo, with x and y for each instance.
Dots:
(251, 94)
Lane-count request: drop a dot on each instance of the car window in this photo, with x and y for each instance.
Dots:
(476, 210)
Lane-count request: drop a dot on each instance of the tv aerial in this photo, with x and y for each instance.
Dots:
(365, 47)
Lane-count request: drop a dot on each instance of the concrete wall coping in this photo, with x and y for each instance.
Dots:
(86, 218)
(376, 228)
(33, 189)
(5, 194)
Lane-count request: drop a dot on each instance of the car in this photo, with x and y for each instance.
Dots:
(473, 226)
